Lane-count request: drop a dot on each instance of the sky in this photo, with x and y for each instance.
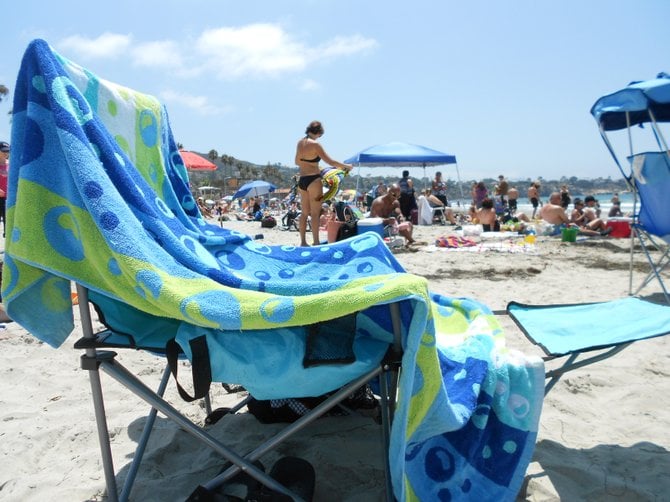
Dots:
(505, 86)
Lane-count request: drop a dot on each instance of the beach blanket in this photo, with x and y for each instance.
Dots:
(98, 194)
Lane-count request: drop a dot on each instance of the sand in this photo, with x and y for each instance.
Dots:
(604, 431)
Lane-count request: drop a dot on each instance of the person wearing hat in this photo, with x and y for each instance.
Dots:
(4, 170)
(586, 220)
(592, 207)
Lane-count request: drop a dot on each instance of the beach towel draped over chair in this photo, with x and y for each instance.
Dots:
(99, 195)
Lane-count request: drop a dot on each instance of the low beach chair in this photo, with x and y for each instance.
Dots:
(574, 336)
(116, 217)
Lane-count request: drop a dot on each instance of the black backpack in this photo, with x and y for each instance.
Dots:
(345, 214)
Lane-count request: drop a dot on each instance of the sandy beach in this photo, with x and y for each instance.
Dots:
(604, 431)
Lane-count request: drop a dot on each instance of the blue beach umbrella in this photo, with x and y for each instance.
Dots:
(254, 189)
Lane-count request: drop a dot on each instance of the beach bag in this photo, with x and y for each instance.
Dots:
(348, 221)
(347, 229)
(268, 222)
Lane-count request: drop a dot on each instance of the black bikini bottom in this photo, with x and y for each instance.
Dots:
(306, 181)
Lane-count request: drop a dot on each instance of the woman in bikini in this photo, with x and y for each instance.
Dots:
(309, 153)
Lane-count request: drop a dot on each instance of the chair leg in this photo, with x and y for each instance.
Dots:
(103, 432)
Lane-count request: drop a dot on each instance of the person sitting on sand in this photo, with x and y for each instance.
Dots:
(487, 216)
(387, 207)
(553, 213)
(435, 202)
(586, 219)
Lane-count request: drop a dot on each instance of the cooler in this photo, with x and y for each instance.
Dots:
(620, 227)
(371, 225)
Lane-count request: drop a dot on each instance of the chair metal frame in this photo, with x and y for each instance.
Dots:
(94, 360)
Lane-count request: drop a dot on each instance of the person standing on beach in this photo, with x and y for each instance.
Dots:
(512, 198)
(503, 189)
(4, 171)
(534, 197)
(439, 188)
(565, 197)
(480, 193)
(308, 154)
(407, 195)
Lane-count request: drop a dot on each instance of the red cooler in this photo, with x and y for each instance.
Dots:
(620, 227)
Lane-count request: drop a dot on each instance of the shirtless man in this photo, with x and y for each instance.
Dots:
(534, 198)
(387, 207)
(552, 212)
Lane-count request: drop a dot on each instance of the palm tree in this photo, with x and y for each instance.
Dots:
(4, 91)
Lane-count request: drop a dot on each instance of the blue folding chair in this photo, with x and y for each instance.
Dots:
(645, 103)
(582, 334)
(651, 176)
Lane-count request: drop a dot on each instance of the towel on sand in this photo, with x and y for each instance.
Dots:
(98, 194)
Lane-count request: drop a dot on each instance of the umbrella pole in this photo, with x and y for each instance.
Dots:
(460, 185)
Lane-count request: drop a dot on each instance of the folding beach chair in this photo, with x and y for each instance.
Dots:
(574, 336)
(651, 178)
(428, 213)
(116, 216)
(639, 104)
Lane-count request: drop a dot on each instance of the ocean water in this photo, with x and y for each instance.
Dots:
(604, 199)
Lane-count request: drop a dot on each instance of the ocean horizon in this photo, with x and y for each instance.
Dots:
(604, 200)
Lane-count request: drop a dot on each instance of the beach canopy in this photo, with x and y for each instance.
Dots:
(400, 154)
(254, 189)
(195, 162)
(645, 101)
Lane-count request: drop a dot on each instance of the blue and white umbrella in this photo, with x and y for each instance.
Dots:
(254, 189)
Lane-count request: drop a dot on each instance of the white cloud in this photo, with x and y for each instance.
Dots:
(267, 50)
(160, 53)
(310, 85)
(199, 104)
(344, 46)
(106, 46)
(255, 50)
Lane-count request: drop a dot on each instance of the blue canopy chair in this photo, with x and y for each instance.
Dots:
(98, 196)
(640, 109)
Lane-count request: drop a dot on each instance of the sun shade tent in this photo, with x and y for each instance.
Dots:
(398, 154)
(119, 220)
(645, 103)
